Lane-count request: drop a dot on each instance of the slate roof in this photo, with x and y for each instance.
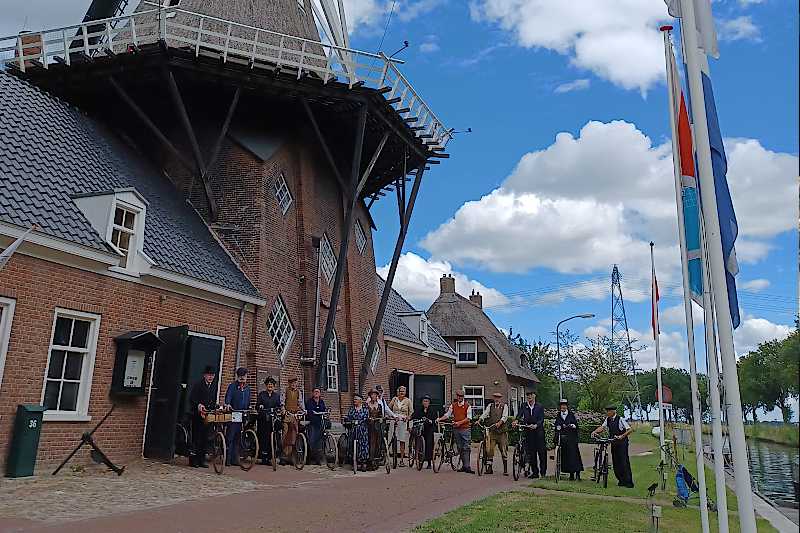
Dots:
(455, 316)
(393, 325)
(51, 152)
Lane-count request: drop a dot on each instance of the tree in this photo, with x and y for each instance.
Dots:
(598, 371)
(540, 358)
(769, 374)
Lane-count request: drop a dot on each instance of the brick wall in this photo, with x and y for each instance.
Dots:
(407, 359)
(484, 375)
(39, 287)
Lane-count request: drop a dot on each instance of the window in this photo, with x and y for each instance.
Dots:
(282, 194)
(6, 317)
(70, 365)
(333, 364)
(280, 328)
(473, 394)
(513, 401)
(361, 237)
(423, 329)
(467, 353)
(327, 258)
(123, 230)
(373, 362)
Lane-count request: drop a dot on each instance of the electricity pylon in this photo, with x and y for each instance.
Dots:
(621, 348)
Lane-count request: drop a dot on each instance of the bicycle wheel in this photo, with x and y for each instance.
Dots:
(218, 451)
(604, 471)
(596, 467)
(455, 457)
(394, 452)
(558, 464)
(419, 452)
(330, 450)
(481, 458)
(354, 452)
(248, 449)
(341, 449)
(411, 449)
(438, 455)
(273, 445)
(300, 451)
(386, 463)
(515, 463)
(182, 441)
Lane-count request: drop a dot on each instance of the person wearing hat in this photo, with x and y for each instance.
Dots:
(425, 413)
(316, 409)
(202, 398)
(619, 429)
(401, 407)
(268, 405)
(532, 415)
(566, 436)
(461, 413)
(237, 398)
(359, 412)
(494, 418)
(293, 403)
(377, 413)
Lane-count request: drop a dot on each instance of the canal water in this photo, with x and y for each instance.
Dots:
(771, 469)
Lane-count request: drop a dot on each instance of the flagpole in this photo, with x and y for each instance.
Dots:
(716, 262)
(654, 292)
(687, 294)
(714, 393)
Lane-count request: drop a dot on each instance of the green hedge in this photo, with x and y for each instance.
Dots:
(584, 432)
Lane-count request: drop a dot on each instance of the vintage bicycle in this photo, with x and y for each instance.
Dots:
(446, 449)
(217, 419)
(300, 453)
(248, 439)
(519, 459)
(600, 468)
(416, 443)
(347, 444)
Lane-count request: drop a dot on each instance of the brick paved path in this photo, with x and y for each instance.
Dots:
(173, 498)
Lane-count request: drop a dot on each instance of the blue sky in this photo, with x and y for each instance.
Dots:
(568, 168)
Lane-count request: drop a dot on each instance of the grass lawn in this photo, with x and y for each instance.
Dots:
(524, 511)
(576, 510)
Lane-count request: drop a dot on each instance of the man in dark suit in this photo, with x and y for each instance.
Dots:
(202, 398)
(532, 414)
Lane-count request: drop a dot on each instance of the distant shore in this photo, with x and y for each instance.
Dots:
(786, 434)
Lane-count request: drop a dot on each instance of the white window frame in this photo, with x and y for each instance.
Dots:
(373, 362)
(327, 258)
(81, 413)
(7, 306)
(277, 316)
(513, 401)
(333, 364)
(282, 194)
(423, 329)
(459, 361)
(472, 398)
(361, 237)
(129, 254)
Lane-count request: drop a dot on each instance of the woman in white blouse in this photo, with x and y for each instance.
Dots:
(402, 408)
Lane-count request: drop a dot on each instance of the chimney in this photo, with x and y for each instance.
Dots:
(476, 299)
(31, 44)
(447, 284)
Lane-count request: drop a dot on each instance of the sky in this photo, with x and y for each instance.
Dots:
(568, 169)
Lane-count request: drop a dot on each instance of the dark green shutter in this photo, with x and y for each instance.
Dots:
(344, 375)
(482, 357)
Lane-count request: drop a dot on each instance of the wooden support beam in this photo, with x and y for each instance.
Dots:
(341, 264)
(398, 248)
(403, 110)
(417, 128)
(177, 100)
(371, 165)
(150, 125)
(440, 155)
(411, 119)
(393, 100)
(224, 131)
(384, 90)
(328, 155)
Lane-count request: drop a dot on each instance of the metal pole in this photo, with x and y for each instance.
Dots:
(660, 391)
(674, 98)
(744, 494)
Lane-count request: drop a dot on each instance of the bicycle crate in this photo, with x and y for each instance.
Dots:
(212, 418)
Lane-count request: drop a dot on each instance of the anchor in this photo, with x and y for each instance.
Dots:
(97, 454)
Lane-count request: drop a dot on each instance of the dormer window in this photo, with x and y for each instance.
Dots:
(118, 216)
(423, 329)
(123, 232)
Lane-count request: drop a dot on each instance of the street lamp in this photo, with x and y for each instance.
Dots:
(558, 350)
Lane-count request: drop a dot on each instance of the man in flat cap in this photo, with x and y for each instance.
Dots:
(618, 429)
(202, 398)
(494, 418)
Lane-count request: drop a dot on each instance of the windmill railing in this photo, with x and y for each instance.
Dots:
(229, 41)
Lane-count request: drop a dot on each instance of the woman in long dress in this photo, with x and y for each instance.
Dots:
(402, 408)
(566, 424)
(359, 412)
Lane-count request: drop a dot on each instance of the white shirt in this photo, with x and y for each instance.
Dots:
(386, 411)
(563, 415)
(449, 412)
(503, 418)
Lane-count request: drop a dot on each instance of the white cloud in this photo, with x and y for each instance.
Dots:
(430, 44)
(676, 316)
(616, 39)
(417, 280)
(755, 285)
(567, 209)
(752, 331)
(672, 347)
(745, 3)
(373, 13)
(738, 29)
(575, 85)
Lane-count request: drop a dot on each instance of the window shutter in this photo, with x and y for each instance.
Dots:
(482, 357)
(393, 382)
(344, 376)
